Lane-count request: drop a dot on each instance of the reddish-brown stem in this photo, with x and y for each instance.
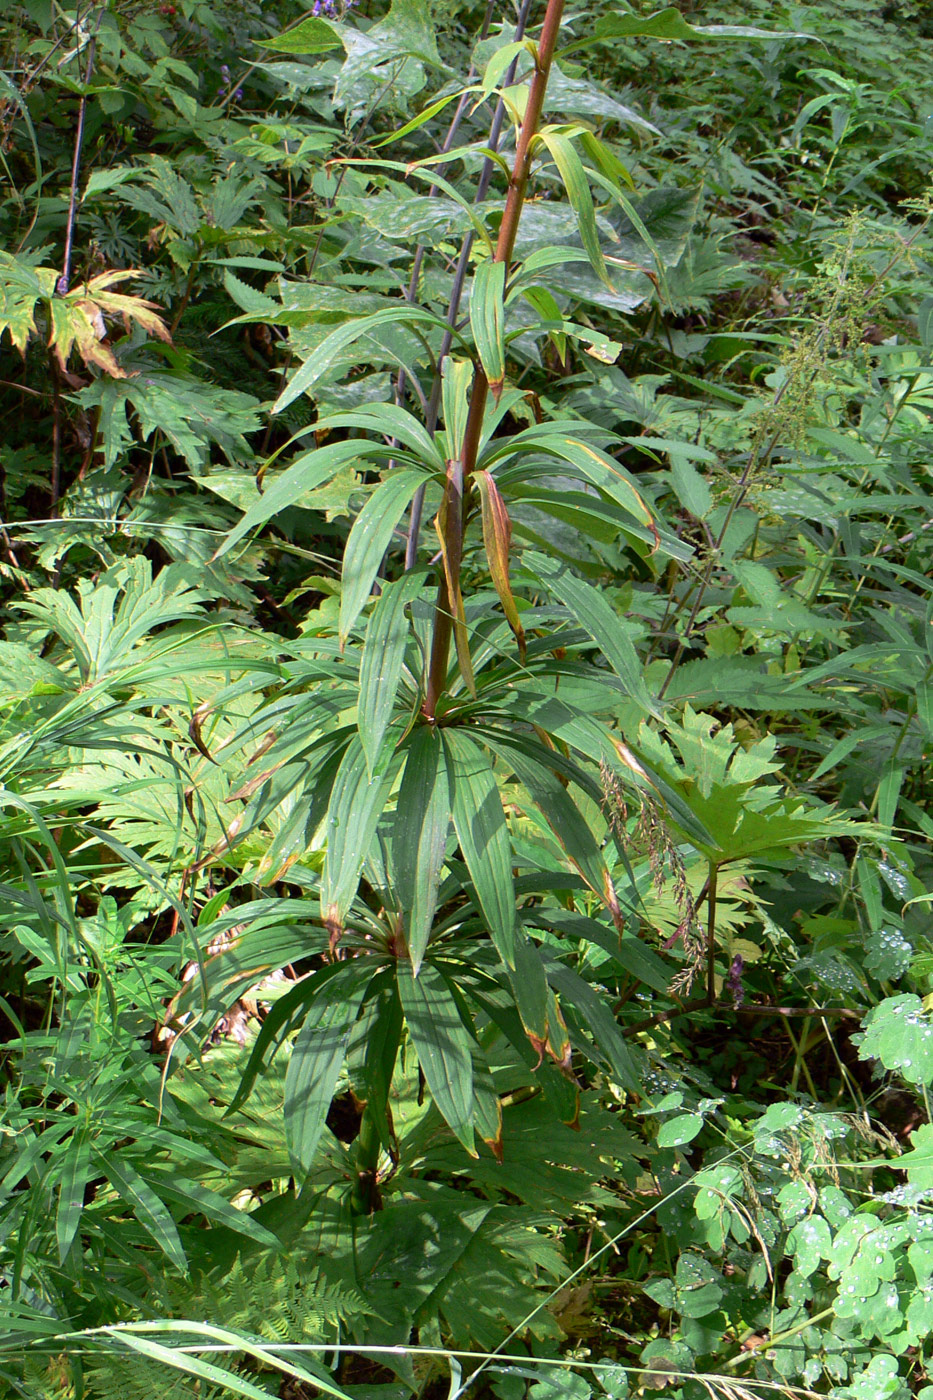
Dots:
(508, 230)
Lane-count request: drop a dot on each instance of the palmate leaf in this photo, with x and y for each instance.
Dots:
(22, 288)
(483, 836)
(115, 612)
(190, 413)
(719, 783)
(443, 1044)
(77, 320)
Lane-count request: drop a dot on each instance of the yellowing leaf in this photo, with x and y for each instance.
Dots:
(78, 318)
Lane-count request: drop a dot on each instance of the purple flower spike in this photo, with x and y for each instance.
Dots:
(734, 981)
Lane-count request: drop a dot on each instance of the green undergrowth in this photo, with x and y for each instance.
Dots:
(466, 700)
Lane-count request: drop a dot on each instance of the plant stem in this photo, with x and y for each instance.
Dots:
(779, 1337)
(453, 519)
(456, 294)
(65, 280)
(712, 889)
(365, 1197)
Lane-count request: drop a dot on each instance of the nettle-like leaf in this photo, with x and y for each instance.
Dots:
(899, 1033)
(190, 414)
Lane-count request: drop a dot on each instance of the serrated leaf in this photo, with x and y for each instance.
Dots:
(246, 297)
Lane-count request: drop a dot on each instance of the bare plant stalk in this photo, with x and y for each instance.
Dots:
(453, 512)
(64, 281)
(711, 893)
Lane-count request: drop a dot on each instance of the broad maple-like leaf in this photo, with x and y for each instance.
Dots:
(77, 318)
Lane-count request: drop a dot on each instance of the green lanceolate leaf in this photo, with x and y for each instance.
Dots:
(317, 1058)
(595, 1017)
(419, 836)
(310, 35)
(281, 1018)
(381, 662)
(374, 1079)
(483, 836)
(529, 985)
(321, 359)
(487, 1110)
(593, 613)
(568, 824)
(357, 802)
(580, 195)
(370, 538)
(190, 1194)
(486, 321)
(443, 1044)
(592, 464)
(670, 24)
(391, 421)
(309, 470)
(76, 1172)
(145, 1204)
(458, 375)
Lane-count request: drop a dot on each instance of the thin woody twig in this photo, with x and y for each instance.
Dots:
(704, 1004)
